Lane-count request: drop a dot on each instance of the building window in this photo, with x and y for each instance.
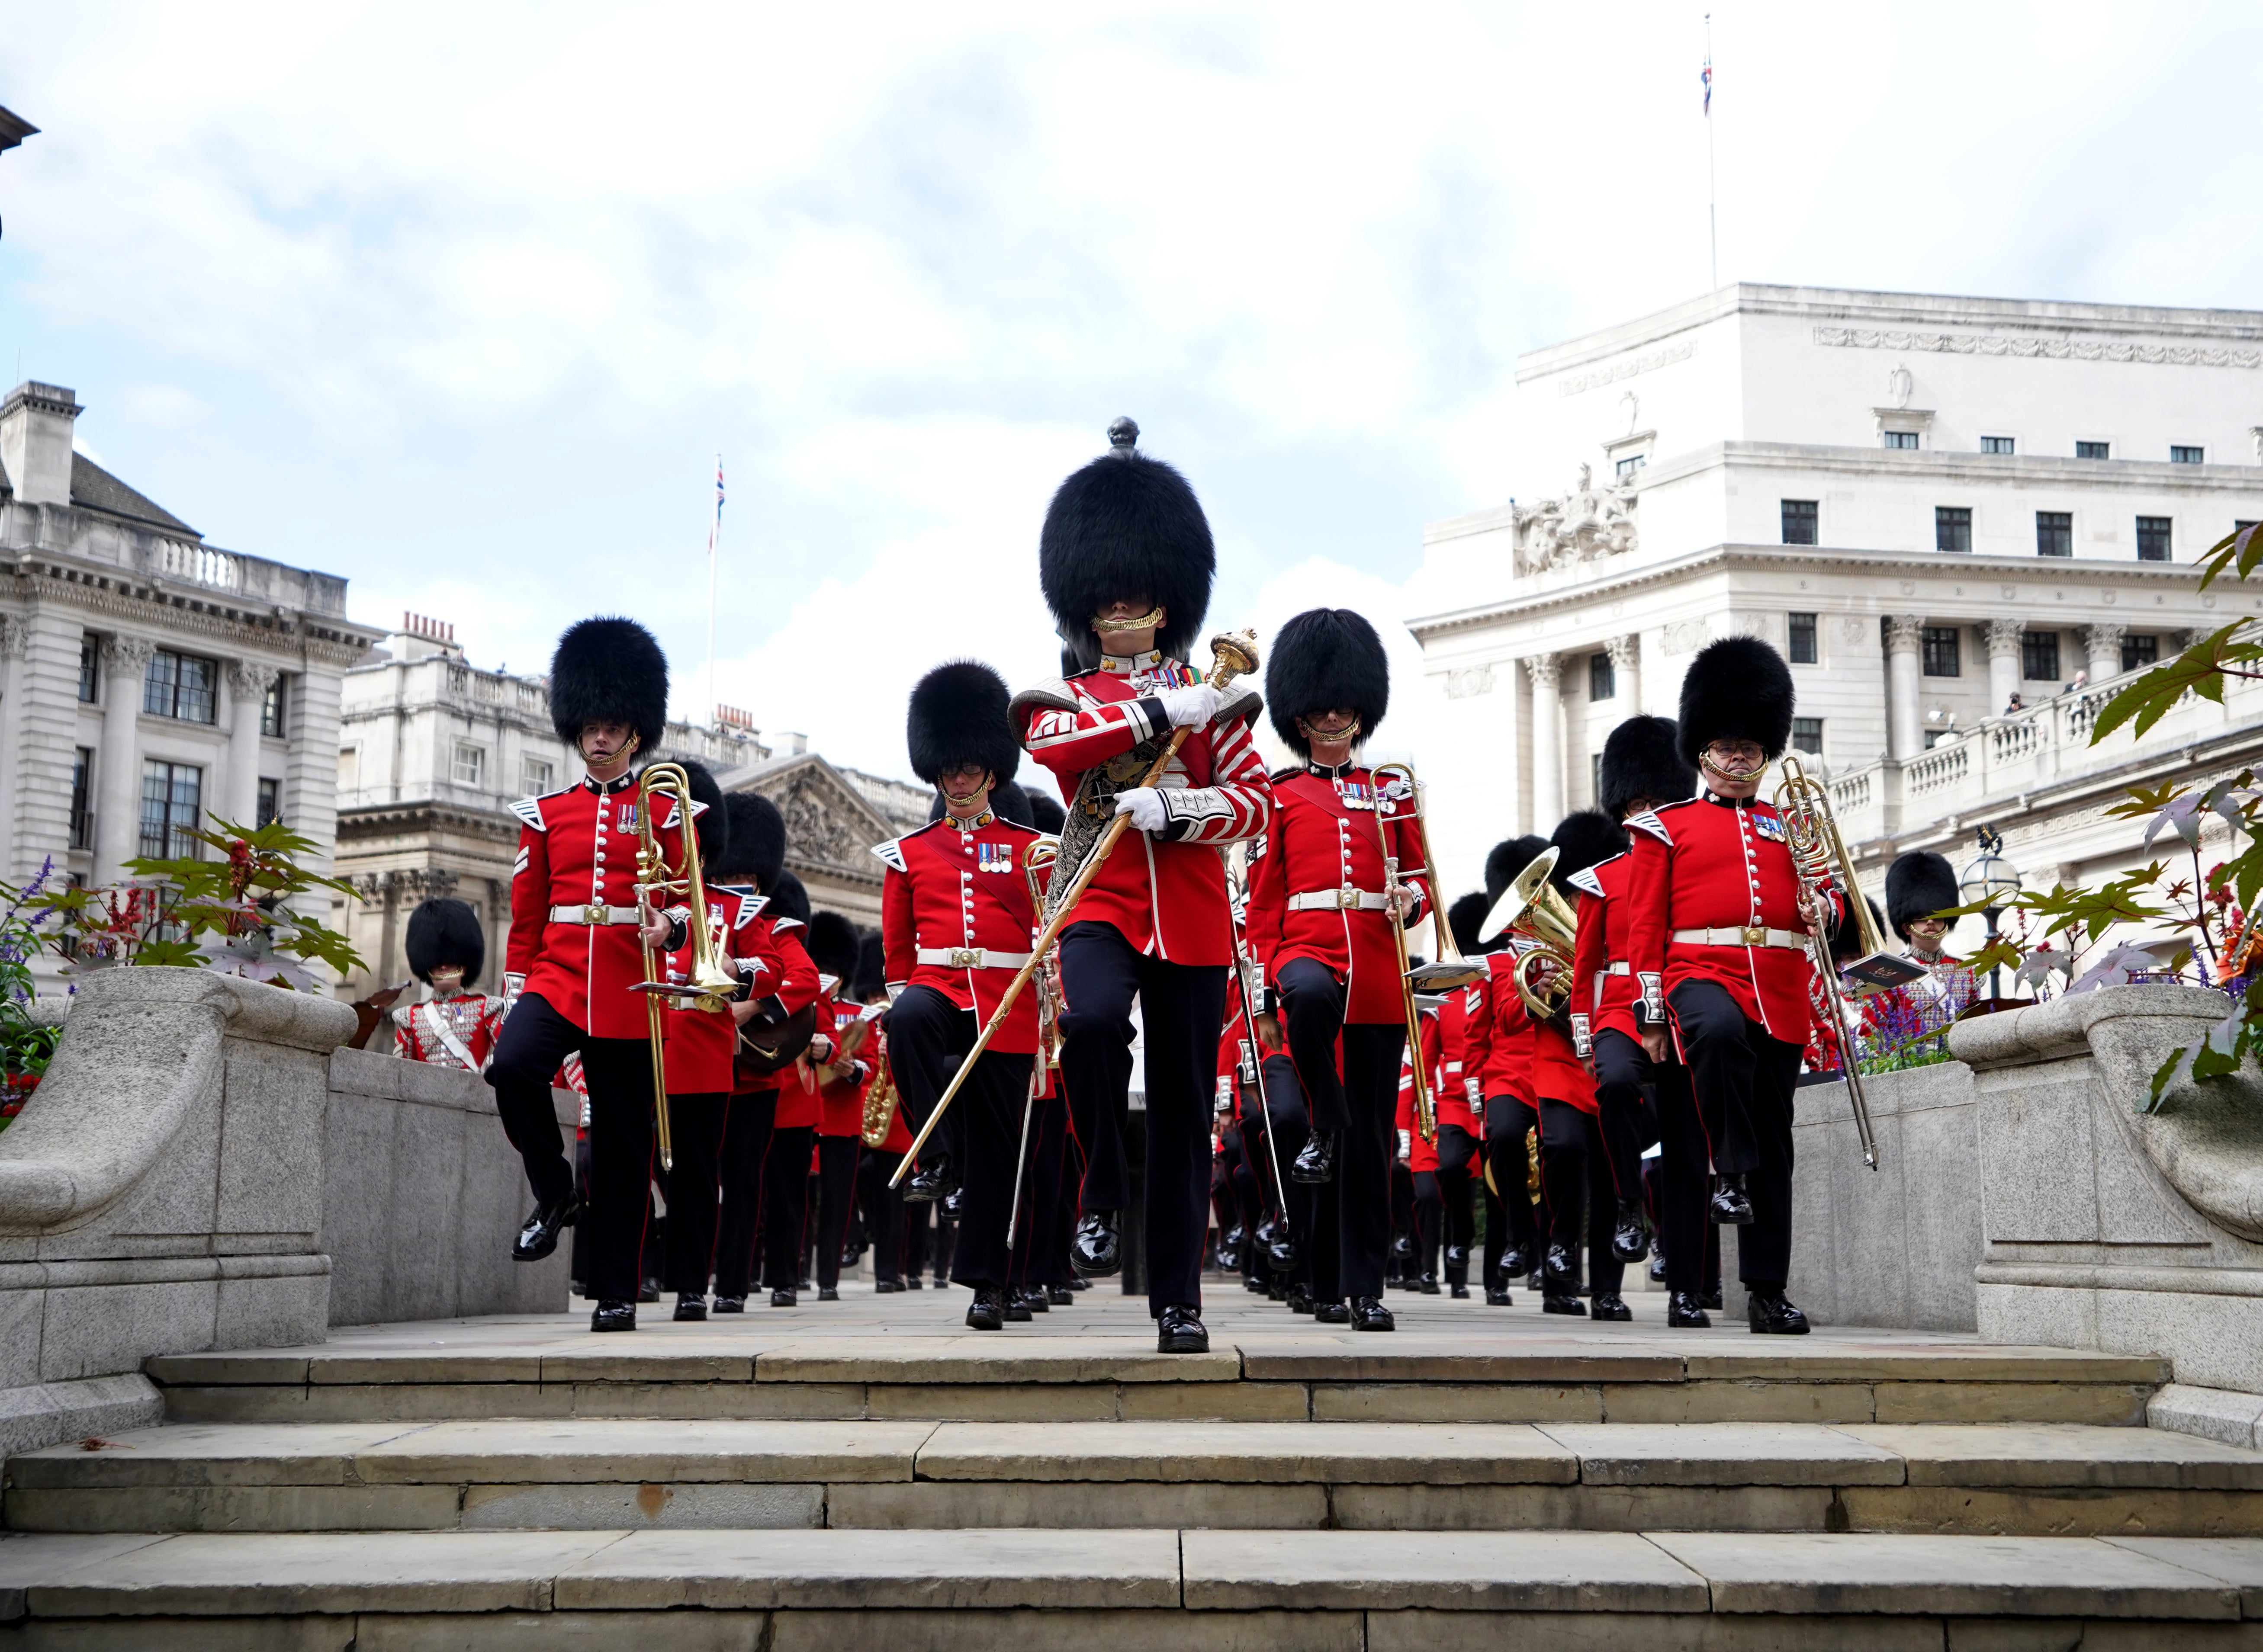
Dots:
(1995, 444)
(1803, 639)
(1941, 653)
(1952, 527)
(1602, 681)
(2187, 455)
(270, 802)
(471, 765)
(349, 767)
(171, 804)
(180, 685)
(1807, 735)
(81, 814)
(2139, 651)
(2054, 533)
(534, 776)
(1594, 777)
(1799, 522)
(2093, 449)
(271, 711)
(2039, 656)
(88, 681)
(2153, 539)
(1901, 439)
(2242, 527)
(1627, 466)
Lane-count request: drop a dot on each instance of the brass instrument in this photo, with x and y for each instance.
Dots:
(1231, 654)
(1544, 930)
(1426, 1111)
(1039, 857)
(710, 986)
(1448, 968)
(879, 1103)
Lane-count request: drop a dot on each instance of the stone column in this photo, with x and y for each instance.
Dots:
(1905, 720)
(1547, 742)
(2104, 643)
(2003, 663)
(1626, 667)
(117, 763)
(247, 682)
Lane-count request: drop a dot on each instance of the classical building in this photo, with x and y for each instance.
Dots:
(149, 680)
(432, 751)
(1957, 518)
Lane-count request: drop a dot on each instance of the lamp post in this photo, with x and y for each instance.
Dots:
(1992, 878)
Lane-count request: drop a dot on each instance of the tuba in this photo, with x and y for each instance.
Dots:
(710, 986)
(1543, 929)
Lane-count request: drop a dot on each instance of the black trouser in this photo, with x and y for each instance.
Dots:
(785, 1205)
(534, 1039)
(1279, 1134)
(837, 1190)
(1426, 1214)
(747, 1129)
(1628, 1116)
(1458, 1153)
(929, 1038)
(1040, 1244)
(1743, 1079)
(1577, 1190)
(1360, 1107)
(695, 1125)
(1181, 1005)
(1508, 1120)
(884, 1215)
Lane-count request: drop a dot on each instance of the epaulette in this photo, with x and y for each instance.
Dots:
(530, 810)
(891, 852)
(697, 809)
(1052, 694)
(751, 904)
(779, 926)
(1648, 821)
(1585, 881)
(1290, 773)
(1242, 703)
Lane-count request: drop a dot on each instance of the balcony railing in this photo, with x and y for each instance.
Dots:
(200, 565)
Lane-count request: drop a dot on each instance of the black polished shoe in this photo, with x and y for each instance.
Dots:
(689, 1306)
(1367, 1313)
(1096, 1252)
(614, 1316)
(1179, 1330)
(729, 1305)
(1456, 1256)
(783, 1299)
(1499, 1299)
(1610, 1306)
(1034, 1296)
(1710, 1299)
(915, 1284)
(1769, 1314)
(931, 1181)
(1078, 1282)
(1331, 1314)
(1552, 1303)
(1280, 1247)
(829, 1294)
(886, 1287)
(1459, 1292)
(1060, 1296)
(1517, 1261)
(1297, 1298)
(954, 1205)
(1657, 1265)
(1017, 1311)
(988, 1310)
(1559, 1272)
(650, 1291)
(1317, 1163)
(538, 1234)
(1729, 1207)
(1427, 1286)
(1684, 1312)
(1630, 1237)
(1229, 1250)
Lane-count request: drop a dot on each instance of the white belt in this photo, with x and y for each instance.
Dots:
(1620, 967)
(593, 914)
(1339, 900)
(971, 958)
(1750, 935)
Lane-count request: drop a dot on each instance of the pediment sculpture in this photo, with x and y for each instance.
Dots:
(1585, 523)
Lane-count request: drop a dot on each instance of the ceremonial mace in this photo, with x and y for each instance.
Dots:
(1231, 654)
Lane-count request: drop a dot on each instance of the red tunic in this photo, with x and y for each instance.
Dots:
(1164, 893)
(1708, 865)
(795, 988)
(698, 1044)
(1500, 1038)
(1329, 837)
(1558, 1074)
(1457, 1077)
(423, 1032)
(1421, 1155)
(842, 1100)
(1603, 994)
(798, 1105)
(954, 888)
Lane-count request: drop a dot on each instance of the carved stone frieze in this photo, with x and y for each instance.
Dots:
(1584, 523)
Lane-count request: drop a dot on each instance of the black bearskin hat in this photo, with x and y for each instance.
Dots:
(788, 899)
(958, 715)
(1508, 859)
(442, 932)
(1324, 657)
(1465, 918)
(1918, 885)
(714, 826)
(754, 851)
(832, 945)
(609, 671)
(1011, 803)
(1641, 760)
(1847, 939)
(1584, 837)
(1045, 815)
(1737, 689)
(871, 978)
(1125, 526)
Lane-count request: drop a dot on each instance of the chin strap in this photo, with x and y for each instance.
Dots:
(1343, 737)
(1152, 620)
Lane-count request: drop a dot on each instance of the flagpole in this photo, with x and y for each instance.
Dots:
(1712, 190)
(714, 535)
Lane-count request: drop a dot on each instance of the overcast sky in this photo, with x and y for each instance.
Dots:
(461, 302)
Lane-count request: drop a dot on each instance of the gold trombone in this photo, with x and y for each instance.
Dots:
(1448, 968)
(1426, 1112)
(709, 986)
(1545, 929)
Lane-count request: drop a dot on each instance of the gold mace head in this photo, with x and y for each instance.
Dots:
(1232, 653)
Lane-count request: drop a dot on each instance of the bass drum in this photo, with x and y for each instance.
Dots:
(765, 1049)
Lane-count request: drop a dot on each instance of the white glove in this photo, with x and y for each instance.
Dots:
(1192, 706)
(1406, 1144)
(1144, 805)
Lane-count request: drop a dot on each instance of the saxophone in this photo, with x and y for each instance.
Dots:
(880, 1100)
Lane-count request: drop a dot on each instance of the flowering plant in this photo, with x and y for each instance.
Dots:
(26, 1044)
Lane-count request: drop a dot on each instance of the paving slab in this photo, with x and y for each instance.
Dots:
(2235, 1561)
(899, 1568)
(1724, 1454)
(1276, 1453)
(1415, 1629)
(611, 1451)
(1379, 1359)
(1919, 1359)
(703, 1362)
(694, 1506)
(1471, 1571)
(254, 1368)
(1102, 1631)
(999, 1359)
(1076, 1504)
(2064, 1454)
(209, 1455)
(26, 1559)
(1945, 1576)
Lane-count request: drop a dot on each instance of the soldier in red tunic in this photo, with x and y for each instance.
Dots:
(843, 1073)
(1321, 909)
(1719, 945)
(577, 910)
(957, 919)
(1499, 1049)
(1125, 560)
(1460, 1101)
(455, 1027)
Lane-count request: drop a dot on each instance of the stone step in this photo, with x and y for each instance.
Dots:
(1191, 1589)
(498, 1474)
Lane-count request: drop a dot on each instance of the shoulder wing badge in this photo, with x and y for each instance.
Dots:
(891, 852)
(1648, 821)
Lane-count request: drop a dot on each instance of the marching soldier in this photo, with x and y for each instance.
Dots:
(1320, 922)
(1126, 560)
(1918, 885)
(957, 919)
(1718, 941)
(1499, 1053)
(841, 1061)
(577, 921)
(1461, 1104)
(455, 1027)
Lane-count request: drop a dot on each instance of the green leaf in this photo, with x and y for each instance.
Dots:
(2201, 669)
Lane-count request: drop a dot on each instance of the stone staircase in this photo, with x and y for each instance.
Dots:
(867, 1474)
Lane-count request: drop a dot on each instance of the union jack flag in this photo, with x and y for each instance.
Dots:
(1706, 76)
